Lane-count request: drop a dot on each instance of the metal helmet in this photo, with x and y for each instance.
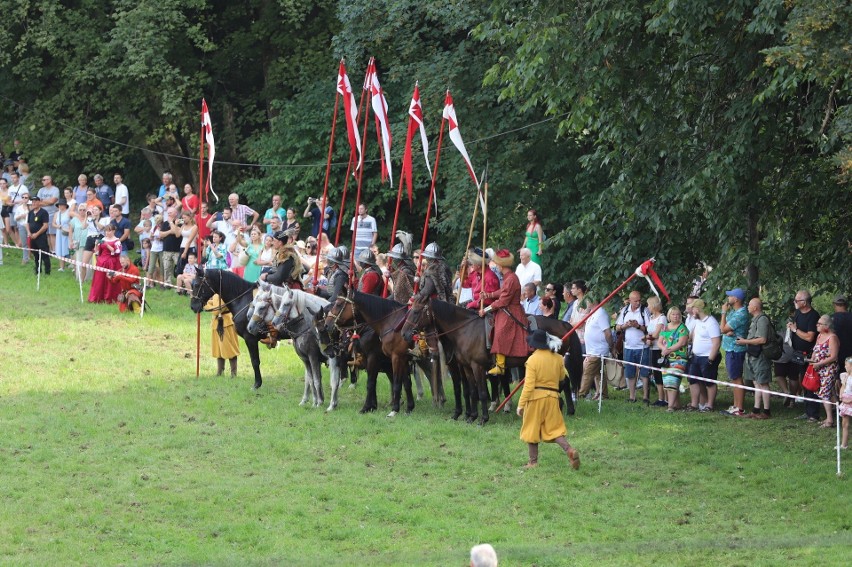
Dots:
(345, 251)
(336, 256)
(366, 257)
(398, 252)
(433, 251)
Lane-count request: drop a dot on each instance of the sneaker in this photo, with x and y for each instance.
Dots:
(733, 411)
(701, 407)
(661, 404)
(761, 416)
(705, 409)
(800, 400)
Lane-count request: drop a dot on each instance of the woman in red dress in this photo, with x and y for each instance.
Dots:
(108, 251)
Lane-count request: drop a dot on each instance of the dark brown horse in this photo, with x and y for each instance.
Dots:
(462, 333)
(384, 317)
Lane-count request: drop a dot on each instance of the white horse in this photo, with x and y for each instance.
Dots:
(266, 304)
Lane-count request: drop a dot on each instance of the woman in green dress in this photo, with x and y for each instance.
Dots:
(534, 236)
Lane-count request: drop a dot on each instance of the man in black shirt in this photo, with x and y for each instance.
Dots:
(842, 322)
(37, 222)
(803, 338)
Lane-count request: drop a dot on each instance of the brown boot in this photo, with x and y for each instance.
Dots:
(220, 366)
(533, 451)
(233, 362)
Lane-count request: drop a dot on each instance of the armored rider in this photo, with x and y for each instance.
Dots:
(287, 266)
(371, 280)
(437, 280)
(402, 274)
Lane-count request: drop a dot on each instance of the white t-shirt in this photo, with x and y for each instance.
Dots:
(633, 335)
(531, 273)
(366, 229)
(690, 323)
(653, 324)
(122, 192)
(595, 328)
(702, 337)
(224, 226)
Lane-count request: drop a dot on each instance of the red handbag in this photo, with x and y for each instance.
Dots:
(810, 381)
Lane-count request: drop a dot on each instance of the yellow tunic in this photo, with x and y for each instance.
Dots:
(228, 345)
(542, 419)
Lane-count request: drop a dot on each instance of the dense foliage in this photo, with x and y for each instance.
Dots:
(690, 131)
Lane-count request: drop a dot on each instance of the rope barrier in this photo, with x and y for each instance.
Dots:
(718, 383)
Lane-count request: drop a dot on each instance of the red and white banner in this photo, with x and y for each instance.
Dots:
(350, 111)
(415, 122)
(455, 136)
(207, 126)
(380, 110)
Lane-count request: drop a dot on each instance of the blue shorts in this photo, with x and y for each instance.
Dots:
(701, 366)
(734, 362)
(638, 356)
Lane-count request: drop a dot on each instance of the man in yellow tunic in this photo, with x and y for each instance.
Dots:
(224, 342)
(539, 403)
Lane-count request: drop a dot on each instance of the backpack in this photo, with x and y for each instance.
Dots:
(772, 347)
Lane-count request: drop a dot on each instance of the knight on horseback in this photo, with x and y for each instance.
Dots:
(287, 266)
(338, 285)
(402, 268)
(509, 319)
(371, 280)
(437, 280)
(474, 278)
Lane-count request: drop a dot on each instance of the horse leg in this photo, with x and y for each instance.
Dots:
(370, 402)
(396, 381)
(440, 368)
(334, 373)
(483, 396)
(494, 383)
(416, 370)
(254, 355)
(316, 372)
(409, 394)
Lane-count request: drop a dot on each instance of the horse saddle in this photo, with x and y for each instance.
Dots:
(489, 329)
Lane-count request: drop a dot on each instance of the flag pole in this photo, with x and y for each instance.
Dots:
(325, 185)
(346, 181)
(484, 236)
(360, 181)
(202, 191)
(577, 326)
(463, 263)
(429, 204)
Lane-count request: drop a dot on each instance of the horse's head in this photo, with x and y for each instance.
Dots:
(259, 312)
(202, 291)
(414, 320)
(286, 309)
(341, 314)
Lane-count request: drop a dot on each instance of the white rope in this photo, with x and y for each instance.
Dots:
(728, 384)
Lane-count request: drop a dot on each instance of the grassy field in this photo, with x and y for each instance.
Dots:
(113, 452)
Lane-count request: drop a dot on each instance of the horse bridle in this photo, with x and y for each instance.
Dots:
(222, 305)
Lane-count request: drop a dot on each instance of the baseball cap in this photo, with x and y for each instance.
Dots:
(736, 292)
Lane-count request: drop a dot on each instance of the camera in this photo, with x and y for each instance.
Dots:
(179, 222)
(663, 362)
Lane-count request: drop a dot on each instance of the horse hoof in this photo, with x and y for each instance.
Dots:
(455, 415)
(366, 409)
(419, 397)
(483, 421)
(330, 408)
(392, 414)
(352, 386)
(302, 403)
(470, 419)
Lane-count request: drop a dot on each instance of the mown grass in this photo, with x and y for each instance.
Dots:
(114, 453)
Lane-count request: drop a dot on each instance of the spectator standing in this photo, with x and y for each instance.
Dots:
(673, 348)
(93, 234)
(291, 223)
(734, 324)
(189, 201)
(803, 333)
(38, 220)
(539, 402)
(569, 300)
(81, 188)
(842, 324)
(122, 230)
(104, 191)
(367, 230)
(68, 193)
(49, 195)
(139, 229)
(201, 222)
(16, 190)
(633, 322)
(846, 402)
(109, 253)
(527, 270)
(77, 242)
(276, 210)
(656, 323)
(188, 238)
(167, 180)
(61, 223)
(534, 236)
(171, 237)
(215, 252)
(824, 361)
(758, 368)
(706, 343)
(530, 301)
(223, 225)
(579, 307)
(554, 292)
(122, 195)
(20, 213)
(598, 344)
(92, 201)
(241, 212)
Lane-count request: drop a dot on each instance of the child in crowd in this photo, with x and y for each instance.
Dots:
(215, 253)
(846, 403)
(155, 256)
(184, 280)
(146, 253)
